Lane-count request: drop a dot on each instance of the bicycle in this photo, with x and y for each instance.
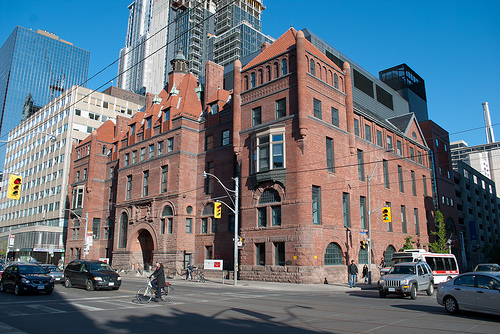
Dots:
(147, 292)
(200, 277)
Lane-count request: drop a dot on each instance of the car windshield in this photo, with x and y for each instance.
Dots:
(400, 259)
(99, 267)
(1, 267)
(31, 270)
(52, 269)
(404, 270)
(487, 267)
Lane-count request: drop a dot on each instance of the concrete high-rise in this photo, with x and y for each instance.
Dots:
(238, 31)
(39, 149)
(141, 66)
(204, 30)
(35, 67)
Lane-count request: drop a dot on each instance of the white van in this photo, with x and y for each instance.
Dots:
(444, 266)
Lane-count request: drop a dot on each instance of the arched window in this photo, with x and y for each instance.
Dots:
(335, 80)
(166, 221)
(284, 68)
(363, 256)
(333, 255)
(276, 70)
(207, 220)
(261, 77)
(122, 238)
(388, 254)
(269, 195)
(252, 82)
(269, 204)
(246, 82)
(269, 74)
(313, 68)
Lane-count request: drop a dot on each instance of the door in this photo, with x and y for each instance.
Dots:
(422, 278)
(488, 294)
(464, 291)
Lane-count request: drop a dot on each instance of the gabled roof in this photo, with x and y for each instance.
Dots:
(284, 43)
(219, 95)
(402, 122)
(104, 133)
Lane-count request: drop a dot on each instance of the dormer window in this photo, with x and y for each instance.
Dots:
(148, 123)
(213, 109)
(132, 130)
(166, 115)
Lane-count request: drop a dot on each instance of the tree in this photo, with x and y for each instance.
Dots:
(440, 245)
(408, 243)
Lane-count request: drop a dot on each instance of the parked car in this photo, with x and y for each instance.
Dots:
(55, 272)
(26, 277)
(493, 267)
(1, 271)
(92, 275)
(477, 291)
(406, 279)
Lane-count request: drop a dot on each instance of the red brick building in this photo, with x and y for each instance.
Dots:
(305, 156)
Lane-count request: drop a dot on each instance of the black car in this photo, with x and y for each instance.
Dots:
(91, 275)
(26, 277)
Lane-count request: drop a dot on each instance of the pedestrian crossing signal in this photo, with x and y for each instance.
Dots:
(386, 214)
(15, 182)
(363, 244)
(217, 210)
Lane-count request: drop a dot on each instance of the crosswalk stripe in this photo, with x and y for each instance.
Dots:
(45, 308)
(86, 307)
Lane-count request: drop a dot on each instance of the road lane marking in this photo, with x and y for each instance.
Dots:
(86, 307)
(45, 308)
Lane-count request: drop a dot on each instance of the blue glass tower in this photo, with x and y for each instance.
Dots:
(35, 67)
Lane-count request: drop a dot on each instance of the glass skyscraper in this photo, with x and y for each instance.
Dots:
(35, 67)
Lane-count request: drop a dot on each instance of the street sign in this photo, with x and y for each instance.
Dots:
(363, 232)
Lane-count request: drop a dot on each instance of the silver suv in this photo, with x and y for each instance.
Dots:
(406, 278)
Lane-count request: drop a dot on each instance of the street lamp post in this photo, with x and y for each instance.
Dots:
(236, 192)
(86, 228)
(368, 179)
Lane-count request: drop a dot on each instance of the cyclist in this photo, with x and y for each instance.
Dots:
(158, 281)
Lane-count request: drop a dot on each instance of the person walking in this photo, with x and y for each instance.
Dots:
(158, 279)
(189, 272)
(352, 269)
(365, 273)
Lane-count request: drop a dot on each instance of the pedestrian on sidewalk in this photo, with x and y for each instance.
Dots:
(189, 272)
(365, 273)
(352, 270)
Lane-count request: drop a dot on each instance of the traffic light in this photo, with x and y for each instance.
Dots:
(386, 214)
(363, 244)
(217, 210)
(15, 182)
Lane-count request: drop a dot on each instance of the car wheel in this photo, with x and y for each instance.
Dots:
(115, 288)
(413, 292)
(17, 290)
(450, 305)
(67, 283)
(89, 286)
(430, 290)
(382, 294)
(2, 287)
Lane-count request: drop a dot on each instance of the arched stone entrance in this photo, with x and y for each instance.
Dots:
(142, 249)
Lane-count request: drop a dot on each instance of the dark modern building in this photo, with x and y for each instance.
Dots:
(35, 67)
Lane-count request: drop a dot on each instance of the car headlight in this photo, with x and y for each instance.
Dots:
(404, 281)
(118, 278)
(381, 282)
(97, 278)
(52, 279)
(25, 281)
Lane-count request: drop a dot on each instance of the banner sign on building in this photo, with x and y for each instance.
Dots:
(213, 264)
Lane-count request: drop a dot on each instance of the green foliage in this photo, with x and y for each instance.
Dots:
(492, 251)
(408, 243)
(440, 245)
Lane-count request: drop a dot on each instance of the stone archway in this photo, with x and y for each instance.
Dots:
(142, 249)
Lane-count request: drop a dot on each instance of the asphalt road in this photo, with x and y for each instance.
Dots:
(246, 308)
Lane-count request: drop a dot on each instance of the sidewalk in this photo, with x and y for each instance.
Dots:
(261, 285)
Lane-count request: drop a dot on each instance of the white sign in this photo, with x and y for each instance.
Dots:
(11, 240)
(90, 238)
(213, 264)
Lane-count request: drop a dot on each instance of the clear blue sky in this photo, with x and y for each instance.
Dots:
(454, 45)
